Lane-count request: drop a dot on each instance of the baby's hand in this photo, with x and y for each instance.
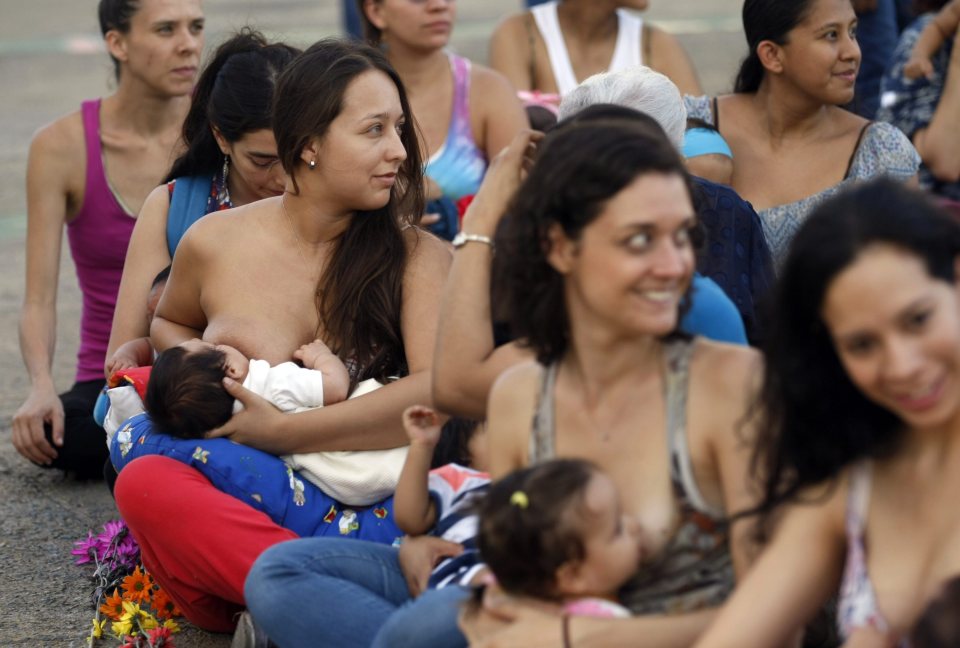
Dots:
(119, 361)
(422, 425)
(310, 354)
(917, 67)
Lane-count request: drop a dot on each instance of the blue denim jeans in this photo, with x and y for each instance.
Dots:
(346, 592)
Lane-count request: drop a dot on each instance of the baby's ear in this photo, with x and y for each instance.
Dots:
(570, 579)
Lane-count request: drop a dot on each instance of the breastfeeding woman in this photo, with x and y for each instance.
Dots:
(862, 434)
(338, 257)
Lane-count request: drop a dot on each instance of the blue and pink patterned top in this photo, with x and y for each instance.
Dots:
(459, 164)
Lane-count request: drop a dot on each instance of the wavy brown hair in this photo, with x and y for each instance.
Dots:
(359, 294)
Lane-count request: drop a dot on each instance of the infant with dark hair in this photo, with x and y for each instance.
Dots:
(186, 398)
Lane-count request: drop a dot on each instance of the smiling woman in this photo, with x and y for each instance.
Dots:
(793, 145)
(862, 406)
(90, 172)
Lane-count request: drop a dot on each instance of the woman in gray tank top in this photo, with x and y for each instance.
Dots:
(596, 256)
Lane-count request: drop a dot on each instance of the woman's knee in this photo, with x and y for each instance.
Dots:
(151, 488)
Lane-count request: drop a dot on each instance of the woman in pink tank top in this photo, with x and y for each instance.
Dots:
(89, 172)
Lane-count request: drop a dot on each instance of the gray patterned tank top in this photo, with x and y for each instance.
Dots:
(694, 570)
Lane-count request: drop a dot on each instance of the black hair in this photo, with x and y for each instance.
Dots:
(766, 20)
(453, 446)
(358, 296)
(939, 625)
(584, 162)
(531, 525)
(815, 420)
(920, 7)
(185, 395)
(234, 94)
(162, 276)
(115, 15)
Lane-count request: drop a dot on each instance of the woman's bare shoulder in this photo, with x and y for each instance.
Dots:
(425, 247)
(518, 382)
(512, 27)
(62, 138)
(727, 372)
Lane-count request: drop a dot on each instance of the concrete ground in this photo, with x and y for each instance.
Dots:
(50, 60)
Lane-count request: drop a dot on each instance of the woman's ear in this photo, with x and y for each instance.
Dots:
(373, 10)
(310, 153)
(562, 251)
(221, 140)
(771, 56)
(116, 45)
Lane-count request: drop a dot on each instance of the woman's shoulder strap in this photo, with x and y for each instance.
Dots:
(187, 205)
(543, 430)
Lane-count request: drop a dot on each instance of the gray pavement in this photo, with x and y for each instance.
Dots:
(50, 60)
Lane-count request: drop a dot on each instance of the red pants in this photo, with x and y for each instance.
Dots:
(198, 542)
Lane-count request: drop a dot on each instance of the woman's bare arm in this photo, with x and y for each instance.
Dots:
(503, 114)
(510, 51)
(180, 316)
(373, 421)
(939, 143)
(668, 57)
(147, 255)
(53, 158)
(465, 363)
(793, 577)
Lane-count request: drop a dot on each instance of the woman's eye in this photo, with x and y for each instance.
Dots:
(917, 320)
(831, 35)
(376, 129)
(858, 347)
(165, 29)
(400, 128)
(682, 237)
(638, 241)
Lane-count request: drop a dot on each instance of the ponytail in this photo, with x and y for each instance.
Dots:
(766, 20)
(234, 94)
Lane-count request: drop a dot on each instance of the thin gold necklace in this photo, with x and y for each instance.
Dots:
(296, 237)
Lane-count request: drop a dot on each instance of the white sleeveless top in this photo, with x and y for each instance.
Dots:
(627, 52)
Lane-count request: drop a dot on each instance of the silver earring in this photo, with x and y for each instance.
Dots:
(226, 168)
(312, 164)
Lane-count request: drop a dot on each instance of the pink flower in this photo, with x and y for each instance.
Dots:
(86, 549)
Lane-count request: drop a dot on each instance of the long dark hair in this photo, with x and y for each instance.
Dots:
(582, 164)
(359, 294)
(815, 420)
(766, 20)
(234, 94)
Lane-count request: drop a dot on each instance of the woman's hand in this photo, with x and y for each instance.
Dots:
(503, 177)
(42, 406)
(418, 556)
(255, 424)
(504, 622)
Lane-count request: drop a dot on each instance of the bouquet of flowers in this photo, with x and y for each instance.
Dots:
(140, 613)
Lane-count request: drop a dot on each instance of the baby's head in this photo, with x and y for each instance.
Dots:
(939, 625)
(707, 153)
(557, 531)
(462, 441)
(156, 292)
(185, 395)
